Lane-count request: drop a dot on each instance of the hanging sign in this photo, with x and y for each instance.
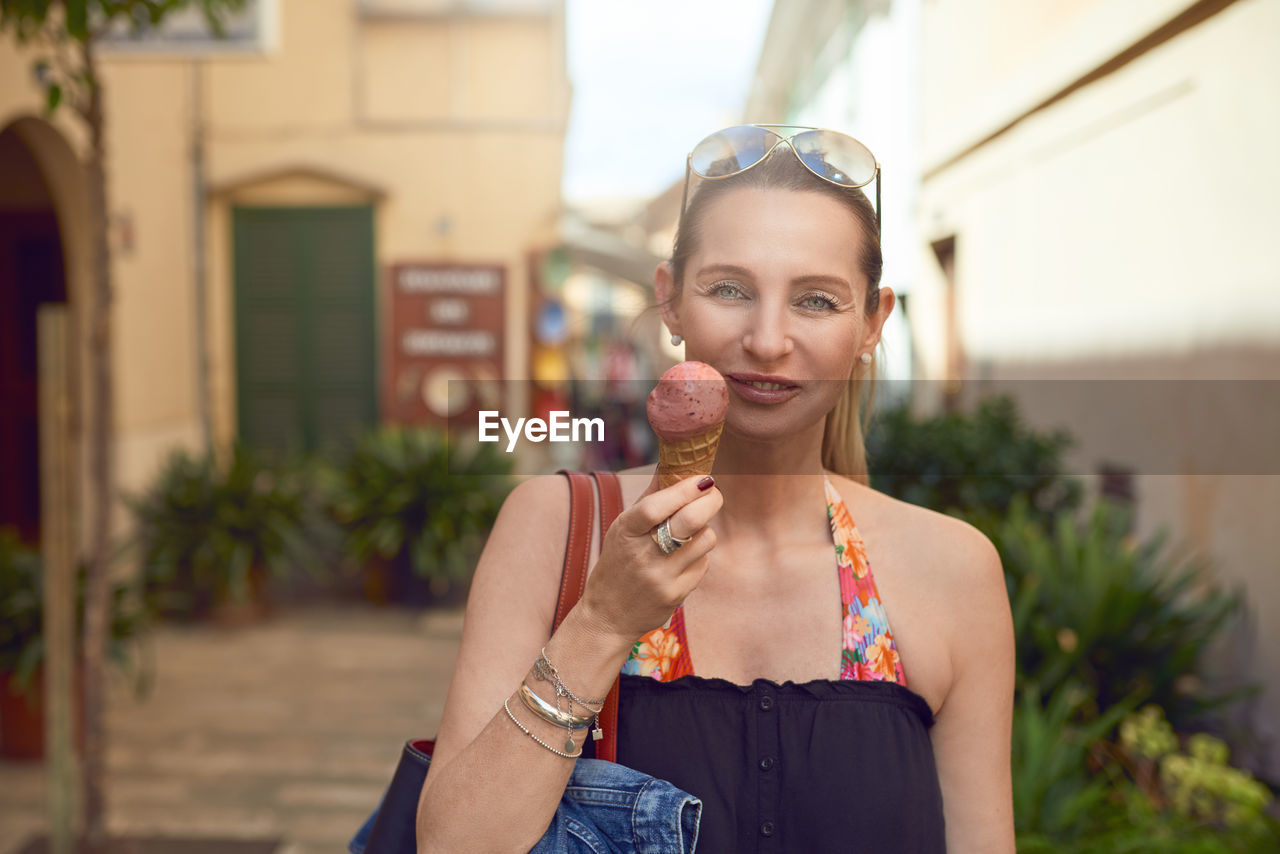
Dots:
(442, 340)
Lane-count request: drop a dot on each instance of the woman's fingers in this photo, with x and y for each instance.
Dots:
(693, 517)
(699, 546)
(649, 511)
(634, 585)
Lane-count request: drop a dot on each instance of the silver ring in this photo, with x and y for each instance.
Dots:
(667, 541)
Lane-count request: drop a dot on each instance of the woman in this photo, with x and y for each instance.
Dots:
(777, 690)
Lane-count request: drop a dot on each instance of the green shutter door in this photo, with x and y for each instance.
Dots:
(304, 291)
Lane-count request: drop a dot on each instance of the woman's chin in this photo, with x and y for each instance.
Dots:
(766, 435)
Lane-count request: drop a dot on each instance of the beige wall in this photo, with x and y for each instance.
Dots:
(987, 60)
(150, 189)
(433, 119)
(1133, 216)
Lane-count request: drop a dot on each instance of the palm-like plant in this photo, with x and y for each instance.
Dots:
(209, 533)
(1056, 800)
(1127, 619)
(410, 496)
(22, 615)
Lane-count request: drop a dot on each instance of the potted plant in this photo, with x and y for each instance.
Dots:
(1125, 618)
(22, 645)
(211, 537)
(416, 508)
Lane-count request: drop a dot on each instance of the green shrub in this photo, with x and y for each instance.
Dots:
(407, 495)
(205, 530)
(22, 616)
(1180, 796)
(970, 465)
(1126, 619)
(1077, 793)
(1056, 800)
(1197, 783)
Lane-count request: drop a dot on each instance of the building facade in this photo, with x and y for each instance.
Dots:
(276, 200)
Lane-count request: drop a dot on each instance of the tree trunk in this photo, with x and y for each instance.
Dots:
(101, 471)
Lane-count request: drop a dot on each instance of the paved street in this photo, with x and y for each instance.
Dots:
(287, 730)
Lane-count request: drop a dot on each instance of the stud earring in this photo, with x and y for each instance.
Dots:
(676, 340)
(866, 358)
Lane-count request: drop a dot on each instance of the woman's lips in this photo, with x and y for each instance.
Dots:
(758, 389)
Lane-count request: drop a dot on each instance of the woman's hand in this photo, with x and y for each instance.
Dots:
(634, 587)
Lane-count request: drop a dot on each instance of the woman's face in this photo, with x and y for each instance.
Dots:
(774, 300)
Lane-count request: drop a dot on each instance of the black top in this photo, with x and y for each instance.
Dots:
(819, 766)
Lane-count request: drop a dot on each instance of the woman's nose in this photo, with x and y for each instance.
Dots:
(767, 336)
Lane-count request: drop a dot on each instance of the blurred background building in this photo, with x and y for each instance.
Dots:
(334, 169)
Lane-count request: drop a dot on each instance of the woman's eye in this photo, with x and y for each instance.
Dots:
(727, 290)
(818, 302)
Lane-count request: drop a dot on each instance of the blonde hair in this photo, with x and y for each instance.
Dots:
(844, 435)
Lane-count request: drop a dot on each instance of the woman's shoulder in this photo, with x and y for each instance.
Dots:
(540, 499)
(540, 503)
(947, 549)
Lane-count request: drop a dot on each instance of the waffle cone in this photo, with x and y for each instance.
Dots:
(687, 457)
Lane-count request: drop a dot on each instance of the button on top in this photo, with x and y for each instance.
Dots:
(766, 829)
(766, 702)
(766, 763)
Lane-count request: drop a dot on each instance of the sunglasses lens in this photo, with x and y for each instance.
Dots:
(838, 158)
(731, 150)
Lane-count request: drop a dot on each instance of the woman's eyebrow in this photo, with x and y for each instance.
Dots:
(725, 270)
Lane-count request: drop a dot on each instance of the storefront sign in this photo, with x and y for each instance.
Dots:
(442, 340)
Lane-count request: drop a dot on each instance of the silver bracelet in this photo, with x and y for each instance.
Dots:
(546, 671)
(569, 743)
(550, 713)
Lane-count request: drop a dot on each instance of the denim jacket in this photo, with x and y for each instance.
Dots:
(610, 809)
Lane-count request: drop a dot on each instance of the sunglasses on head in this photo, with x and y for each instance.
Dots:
(831, 155)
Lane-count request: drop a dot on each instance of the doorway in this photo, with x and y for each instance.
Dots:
(31, 275)
(304, 323)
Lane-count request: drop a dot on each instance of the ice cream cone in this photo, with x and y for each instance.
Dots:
(687, 410)
(690, 457)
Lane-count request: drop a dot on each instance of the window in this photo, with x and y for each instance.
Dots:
(253, 29)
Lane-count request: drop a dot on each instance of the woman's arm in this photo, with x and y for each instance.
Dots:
(971, 736)
(490, 786)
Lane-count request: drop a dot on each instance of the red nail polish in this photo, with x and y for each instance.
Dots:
(706, 483)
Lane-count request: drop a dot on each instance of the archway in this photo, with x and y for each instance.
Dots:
(32, 274)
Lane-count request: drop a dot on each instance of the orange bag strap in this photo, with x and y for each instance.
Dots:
(610, 507)
(574, 578)
(578, 548)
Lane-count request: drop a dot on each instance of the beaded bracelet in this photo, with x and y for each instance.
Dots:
(568, 743)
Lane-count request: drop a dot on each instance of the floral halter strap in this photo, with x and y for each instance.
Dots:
(869, 652)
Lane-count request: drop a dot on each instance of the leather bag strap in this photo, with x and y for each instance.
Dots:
(574, 578)
(610, 507)
(578, 548)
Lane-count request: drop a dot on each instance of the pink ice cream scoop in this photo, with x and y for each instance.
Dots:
(687, 410)
(690, 399)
